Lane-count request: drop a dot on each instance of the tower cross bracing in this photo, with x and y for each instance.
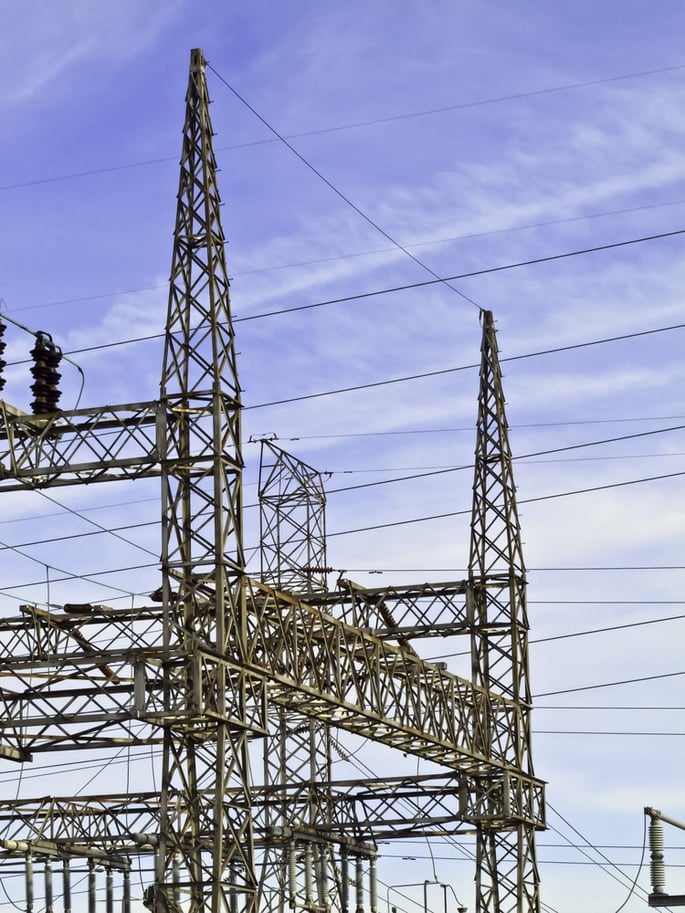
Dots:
(220, 667)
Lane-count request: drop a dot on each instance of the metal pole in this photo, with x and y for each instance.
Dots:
(109, 891)
(126, 899)
(48, 885)
(66, 886)
(359, 886)
(91, 886)
(29, 882)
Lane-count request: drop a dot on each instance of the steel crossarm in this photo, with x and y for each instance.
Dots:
(326, 668)
(425, 805)
(128, 822)
(298, 657)
(403, 611)
(99, 444)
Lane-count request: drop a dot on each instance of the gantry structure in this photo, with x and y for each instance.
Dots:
(221, 668)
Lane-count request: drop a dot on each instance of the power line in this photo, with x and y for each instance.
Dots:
(606, 732)
(522, 456)
(633, 708)
(587, 633)
(627, 681)
(63, 537)
(471, 428)
(386, 291)
(535, 500)
(368, 253)
(356, 125)
(550, 258)
(462, 571)
(451, 239)
(114, 531)
(421, 471)
(336, 190)
(454, 370)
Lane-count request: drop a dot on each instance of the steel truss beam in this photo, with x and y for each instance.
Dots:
(296, 656)
(101, 444)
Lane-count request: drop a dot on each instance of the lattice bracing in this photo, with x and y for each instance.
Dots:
(219, 669)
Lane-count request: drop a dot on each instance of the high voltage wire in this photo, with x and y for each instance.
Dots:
(353, 126)
(427, 471)
(313, 262)
(101, 529)
(472, 274)
(470, 428)
(592, 631)
(549, 497)
(627, 681)
(443, 371)
(385, 291)
(591, 846)
(522, 456)
(342, 196)
(346, 199)
(463, 571)
(137, 501)
(607, 732)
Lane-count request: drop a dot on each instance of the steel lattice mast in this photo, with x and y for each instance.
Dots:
(507, 878)
(202, 550)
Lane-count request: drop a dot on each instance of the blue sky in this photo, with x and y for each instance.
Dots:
(473, 136)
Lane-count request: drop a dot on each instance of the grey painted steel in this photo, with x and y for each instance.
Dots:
(225, 660)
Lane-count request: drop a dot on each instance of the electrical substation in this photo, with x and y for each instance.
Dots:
(242, 682)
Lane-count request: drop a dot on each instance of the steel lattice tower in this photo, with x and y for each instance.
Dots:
(202, 548)
(224, 661)
(507, 877)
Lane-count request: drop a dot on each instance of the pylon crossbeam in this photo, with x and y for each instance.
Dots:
(82, 446)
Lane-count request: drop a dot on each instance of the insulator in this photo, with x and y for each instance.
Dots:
(344, 880)
(176, 882)
(656, 850)
(322, 877)
(308, 872)
(233, 896)
(126, 898)
(292, 875)
(46, 358)
(29, 883)
(91, 886)
(3, 346)
(109, 891)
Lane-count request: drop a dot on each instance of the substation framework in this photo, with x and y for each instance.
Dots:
(226, 662)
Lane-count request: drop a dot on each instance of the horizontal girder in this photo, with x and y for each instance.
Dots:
(68, 674)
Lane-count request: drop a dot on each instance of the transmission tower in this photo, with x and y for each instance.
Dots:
(220, 668)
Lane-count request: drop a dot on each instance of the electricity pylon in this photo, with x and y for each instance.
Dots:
(224, 660)
(507, 876)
